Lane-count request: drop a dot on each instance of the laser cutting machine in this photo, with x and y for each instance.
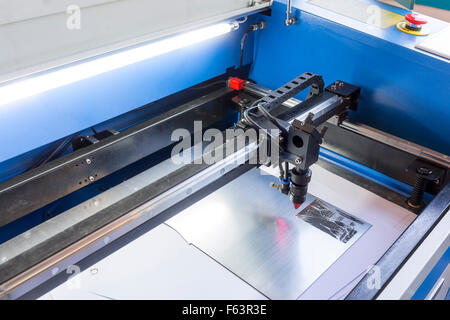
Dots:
(223, 150)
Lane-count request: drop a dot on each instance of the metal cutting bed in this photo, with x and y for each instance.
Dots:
(207, 249)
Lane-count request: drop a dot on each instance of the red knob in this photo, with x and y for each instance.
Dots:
(414, 18)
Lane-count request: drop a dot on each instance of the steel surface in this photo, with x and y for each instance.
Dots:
(263, 240)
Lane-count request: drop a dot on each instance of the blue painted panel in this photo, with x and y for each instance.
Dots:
(390, 34)
(404, 91)
(36, 121)
(363, 171)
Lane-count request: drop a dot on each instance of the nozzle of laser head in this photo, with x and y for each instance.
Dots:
(299, 186)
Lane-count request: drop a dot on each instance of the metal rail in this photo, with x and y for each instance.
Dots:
(24, 194)
(398, 143)
(370, 132)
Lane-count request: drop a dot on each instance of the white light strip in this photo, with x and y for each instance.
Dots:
(29, 87)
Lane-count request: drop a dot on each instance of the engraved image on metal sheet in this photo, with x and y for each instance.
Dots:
(331, 220)
(254, 231)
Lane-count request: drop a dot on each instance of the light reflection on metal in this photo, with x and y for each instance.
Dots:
(257, 235)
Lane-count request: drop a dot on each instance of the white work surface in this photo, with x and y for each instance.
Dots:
(162, 265)
(438, 44)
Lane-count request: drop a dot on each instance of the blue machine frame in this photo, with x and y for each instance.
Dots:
(405, 91)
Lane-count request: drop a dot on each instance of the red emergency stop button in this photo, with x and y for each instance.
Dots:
(236, 84)
(415, 19)
(414, 24)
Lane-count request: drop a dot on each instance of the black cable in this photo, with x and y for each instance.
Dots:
(249, 30)
(241, 60)
(249, 119)
(280, 166)
(272, 119)
(286, 171)
(55, 152)
(60, 152)
(50, 155)
(255, 124)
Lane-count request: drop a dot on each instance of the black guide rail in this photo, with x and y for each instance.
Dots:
(40, 186)
(277, 97)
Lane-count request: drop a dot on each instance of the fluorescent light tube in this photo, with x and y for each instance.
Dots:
(55, 79)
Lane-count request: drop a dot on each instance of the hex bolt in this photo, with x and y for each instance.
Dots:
(88, 161)
(309, 118)
(290, 21)
(91, 178)
(262, 25)
(420, 184)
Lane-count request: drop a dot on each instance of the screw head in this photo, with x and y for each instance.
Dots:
(424, 170)
(262, 25)
(244, 101)
(91, 178)
(290, 21)
(298, 160)
(88, 161)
